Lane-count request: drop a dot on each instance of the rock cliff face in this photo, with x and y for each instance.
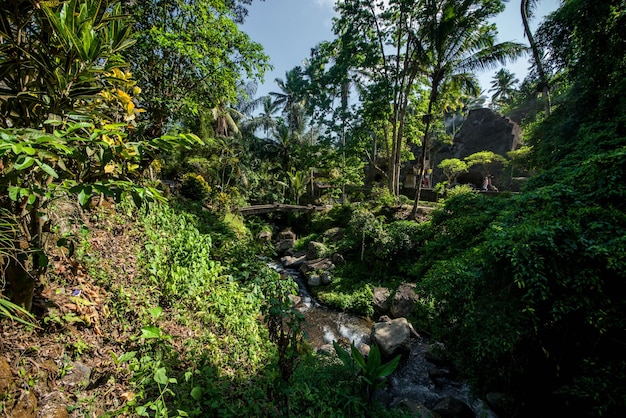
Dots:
(483, 130)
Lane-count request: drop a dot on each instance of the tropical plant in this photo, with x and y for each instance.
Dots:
(292, 98)
(503, 87)
(54, 59)
(297, 184)
(371, 368)
(266, 119)
(87, 146)
(195, 187)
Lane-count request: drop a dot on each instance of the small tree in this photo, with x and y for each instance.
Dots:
(484, 159)
(452, 167)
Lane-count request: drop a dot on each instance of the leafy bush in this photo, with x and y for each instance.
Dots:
(382, 196)
(337, 216)
(349, 297)
(459, 189)
(195, 187)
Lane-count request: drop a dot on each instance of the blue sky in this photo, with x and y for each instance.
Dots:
(288, 29)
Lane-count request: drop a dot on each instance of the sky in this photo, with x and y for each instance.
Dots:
(288, 29)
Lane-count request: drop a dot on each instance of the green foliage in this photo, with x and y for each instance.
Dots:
(204, 51)
(194, 186)
(452, 167)
(68, 57)
(297, 184)
(63, 52)
(177, 255)
(348, 295)
(284, 324)
(459, 189)
(371, 369)
(484, 159)
(16, 313)
(382, 196)
(337, 216)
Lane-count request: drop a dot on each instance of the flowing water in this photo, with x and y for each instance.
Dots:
(411, 381)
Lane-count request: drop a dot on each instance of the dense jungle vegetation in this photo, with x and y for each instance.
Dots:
(131, 286)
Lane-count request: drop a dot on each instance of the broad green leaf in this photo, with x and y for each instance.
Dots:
(24, 163)
(49, 170)
(29, 150)
(160, 376)
(358, 357)
(196, 393)
(84, 195)
(150, 332)
(127, 356)
(13, 193)
(156, 311)
(388, 368)
(17, 148)
(343, 355)
(16, 192)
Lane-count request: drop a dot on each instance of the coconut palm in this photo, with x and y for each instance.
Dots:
(455, 39)
(266, 120)
(225, 120)
(503, 87)
(291, 98)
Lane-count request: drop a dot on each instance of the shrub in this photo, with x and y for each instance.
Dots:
(382, 196)
(195, 187)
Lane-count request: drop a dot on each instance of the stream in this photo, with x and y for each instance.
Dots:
(410, 384)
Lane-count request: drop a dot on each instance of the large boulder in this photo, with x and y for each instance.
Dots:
(449, 407)
(483, 130)
(321, 264)
(380, 299)
(392, 337)
(293, 261)
(403, 301)
(316, 250)
(333, 235)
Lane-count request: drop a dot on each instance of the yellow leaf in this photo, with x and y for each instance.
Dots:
(106, 94)
(136, 90)
(109, 168)
(133, 167)
(127, 396)
(117, 73)
(124, 97)
(108, 140)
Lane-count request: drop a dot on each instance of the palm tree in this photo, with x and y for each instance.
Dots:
(526, 9)
(266, 120)
(225, 120)
(503, 86)
(455, 39)
(291, 97)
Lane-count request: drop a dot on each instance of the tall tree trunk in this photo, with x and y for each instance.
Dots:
(422, 165)
(543, 80)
